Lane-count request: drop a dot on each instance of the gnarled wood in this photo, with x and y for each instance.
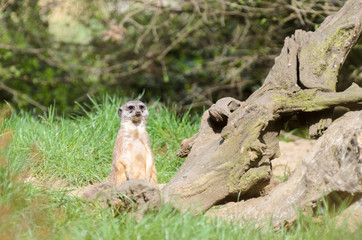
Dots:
(232, 161)
(333, 167)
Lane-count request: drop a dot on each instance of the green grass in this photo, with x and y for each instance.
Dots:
(78, 151)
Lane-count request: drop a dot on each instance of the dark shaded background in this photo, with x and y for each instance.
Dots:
(188, 52)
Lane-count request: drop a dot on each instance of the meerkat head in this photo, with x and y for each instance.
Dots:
(136, 111)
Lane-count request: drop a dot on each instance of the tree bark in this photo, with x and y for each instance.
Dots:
(229, 159)
(332, 169)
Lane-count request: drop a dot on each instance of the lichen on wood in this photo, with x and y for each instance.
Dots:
(230, 156)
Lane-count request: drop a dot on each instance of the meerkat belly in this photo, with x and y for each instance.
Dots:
(139, 160)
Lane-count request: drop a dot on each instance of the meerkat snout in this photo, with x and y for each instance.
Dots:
(133, 110)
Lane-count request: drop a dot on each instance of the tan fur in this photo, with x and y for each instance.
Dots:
(132, 156)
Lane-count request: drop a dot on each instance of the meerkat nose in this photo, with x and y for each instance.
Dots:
(138, 113)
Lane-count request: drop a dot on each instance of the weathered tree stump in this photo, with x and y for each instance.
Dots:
(229, 158)
(332, 169)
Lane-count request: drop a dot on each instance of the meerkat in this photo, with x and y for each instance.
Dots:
(132, 156)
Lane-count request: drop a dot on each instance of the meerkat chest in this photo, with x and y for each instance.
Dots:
(139, 151)
(137, 144)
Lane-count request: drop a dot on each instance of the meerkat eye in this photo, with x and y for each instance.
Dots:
(142, 107)
(130, 107)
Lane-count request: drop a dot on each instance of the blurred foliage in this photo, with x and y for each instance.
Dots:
(191, 52)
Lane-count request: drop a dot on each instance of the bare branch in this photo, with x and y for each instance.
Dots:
(23, 96)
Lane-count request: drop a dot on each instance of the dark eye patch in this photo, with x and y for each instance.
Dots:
(130, 107)
(142, 107)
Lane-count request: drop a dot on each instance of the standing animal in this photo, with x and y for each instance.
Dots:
(132, 156)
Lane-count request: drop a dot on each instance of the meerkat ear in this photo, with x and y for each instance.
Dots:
(120, 111)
